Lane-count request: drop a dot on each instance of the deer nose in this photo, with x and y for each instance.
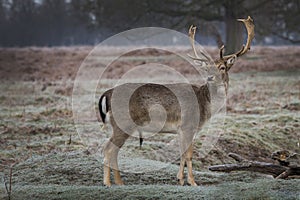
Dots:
(210, 78)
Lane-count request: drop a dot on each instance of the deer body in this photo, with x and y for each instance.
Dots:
(150, 94)
(170, 114)
(141, 101)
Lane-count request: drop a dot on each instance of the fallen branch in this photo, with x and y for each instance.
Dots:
(281, 170)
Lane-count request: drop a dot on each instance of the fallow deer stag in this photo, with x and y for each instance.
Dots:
(178, 118)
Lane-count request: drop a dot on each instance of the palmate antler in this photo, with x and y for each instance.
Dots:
(250, 30)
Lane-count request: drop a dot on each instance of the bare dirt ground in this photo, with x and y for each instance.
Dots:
(50, 161)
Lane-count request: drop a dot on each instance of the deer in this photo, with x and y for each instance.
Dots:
(156, 107)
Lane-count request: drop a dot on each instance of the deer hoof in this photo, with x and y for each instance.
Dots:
(181, 181)
(107, 184)
(192, 183)
(119, 183)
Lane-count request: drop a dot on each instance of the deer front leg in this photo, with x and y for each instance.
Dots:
(186, 148)
(189, 155)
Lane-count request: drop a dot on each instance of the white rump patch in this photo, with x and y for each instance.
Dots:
(103, 105)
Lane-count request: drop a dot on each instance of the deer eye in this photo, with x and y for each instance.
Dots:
(222, 68)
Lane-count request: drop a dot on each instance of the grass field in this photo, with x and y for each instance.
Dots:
(51, 161)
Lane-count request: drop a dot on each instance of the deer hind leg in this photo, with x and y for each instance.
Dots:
(180, 174)
(188, 158)
(111, 151)
(115, 167)
(106, 164)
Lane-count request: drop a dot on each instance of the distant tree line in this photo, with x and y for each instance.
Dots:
(44, 22)
(72, 22)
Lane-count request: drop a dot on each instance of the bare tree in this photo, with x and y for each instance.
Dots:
(65, 22)
(279, 18)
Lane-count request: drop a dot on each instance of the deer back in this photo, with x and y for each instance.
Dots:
(169, 97)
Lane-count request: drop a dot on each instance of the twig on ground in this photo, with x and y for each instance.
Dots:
(9, 188)
(6, 187)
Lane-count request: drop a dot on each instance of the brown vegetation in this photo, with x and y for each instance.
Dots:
(61, 63)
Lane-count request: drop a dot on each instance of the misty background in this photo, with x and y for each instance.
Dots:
(88, 22)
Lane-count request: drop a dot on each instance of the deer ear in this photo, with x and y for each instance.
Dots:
(230, 62)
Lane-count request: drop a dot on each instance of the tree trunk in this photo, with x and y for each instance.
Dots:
(234, 29)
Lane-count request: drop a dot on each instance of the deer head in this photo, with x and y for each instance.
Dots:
(224, 63)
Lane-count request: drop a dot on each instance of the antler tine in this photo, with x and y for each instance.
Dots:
(192, 32)
(250, 30)
(221, 51)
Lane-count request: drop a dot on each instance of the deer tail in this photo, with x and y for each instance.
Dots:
(103, 107)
